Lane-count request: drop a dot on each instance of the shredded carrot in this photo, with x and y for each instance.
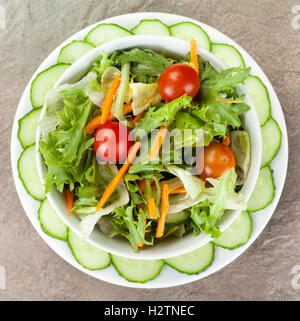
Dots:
(179, 190)
(69, 195)
(141, 185)
(93, 124)
(127, 108)
(163, 211)
(157, 143)
(137, 118)
(109, 98)
(116, 180)
(96, 122)
(230, 101)
(152, 208)
(194, 58)
(226, 140)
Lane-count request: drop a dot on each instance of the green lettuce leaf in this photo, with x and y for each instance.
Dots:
(164, 115)
(131, 225)
(147, 65)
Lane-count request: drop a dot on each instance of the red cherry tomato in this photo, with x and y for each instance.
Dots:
(112, 142)
(177, 80)
(214, 160)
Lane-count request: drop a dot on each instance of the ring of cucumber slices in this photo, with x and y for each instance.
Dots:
(29, 175)
(228, 54)
(141, 271)
(263, 192)
(86, 254)
(106, 32)
(51, 223)
(237, 234)
(151, 27)
(195, 261)
(43, 82)
(28, 126)
(73, 51)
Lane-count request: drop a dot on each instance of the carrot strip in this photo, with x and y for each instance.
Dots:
(157, 143)
(127, 108)
(163, 211)
(93, 124)
(137, 118)
(152, 208)
(69, 195)
(109, 98)
(230, 101)
(116, 180)
(226, 140)
(179, 190)
(141, 185)
(96, 122)
(194, 58)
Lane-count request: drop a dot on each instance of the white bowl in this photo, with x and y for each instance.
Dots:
(170, 247)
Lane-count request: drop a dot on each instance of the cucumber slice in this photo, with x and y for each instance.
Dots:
(29, 175)
(263, 192)
(193, 262)
(73, 51)
(259, 94)
(237, 234)
(106, 32)
(50, 222)
(174, 219)
(271, 141)
(228, 54)
(43, 82)
(188, 30)
(28, 126)
(139, 271)
(151, 27)
(87, 255)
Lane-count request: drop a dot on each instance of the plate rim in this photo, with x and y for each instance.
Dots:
(184, 279)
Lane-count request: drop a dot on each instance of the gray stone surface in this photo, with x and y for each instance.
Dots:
(264, 29)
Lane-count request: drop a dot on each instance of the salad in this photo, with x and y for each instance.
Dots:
(147, 146)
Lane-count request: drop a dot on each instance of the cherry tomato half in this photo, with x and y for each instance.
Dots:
(112, 142)
(177, 80)
(214, 160)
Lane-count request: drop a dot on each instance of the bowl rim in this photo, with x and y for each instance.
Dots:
(149, 41)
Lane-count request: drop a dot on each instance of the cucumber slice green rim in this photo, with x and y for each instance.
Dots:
(263, 192)
(151, 27)
(271, 141)
(175, 219)
(260, 96)
(29, 175)
(50, 222)
(87, 255)
(27, 127)
(73, 51)
(194, 262)
(187, 30)
(106, 32)
(139, 271)
(43, 82)
(237, 234)
(228, 54)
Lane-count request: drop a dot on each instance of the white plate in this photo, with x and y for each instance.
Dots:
(168, 276)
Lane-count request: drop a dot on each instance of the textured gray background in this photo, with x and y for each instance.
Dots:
(264, 29)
